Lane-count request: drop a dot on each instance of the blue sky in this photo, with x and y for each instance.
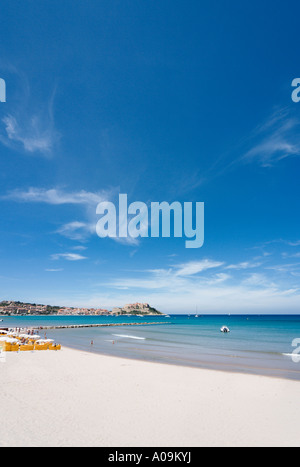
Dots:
(164, 101)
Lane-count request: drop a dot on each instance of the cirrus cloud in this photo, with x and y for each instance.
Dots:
(67, 256)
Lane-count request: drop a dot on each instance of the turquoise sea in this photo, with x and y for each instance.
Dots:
(256, 344)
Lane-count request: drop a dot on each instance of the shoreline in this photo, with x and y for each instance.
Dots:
(243, 359)
(256, 371)
(78, 398)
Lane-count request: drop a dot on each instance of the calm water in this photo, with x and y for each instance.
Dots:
(256, 344)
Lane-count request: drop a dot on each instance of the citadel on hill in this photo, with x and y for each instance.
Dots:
(20, 308)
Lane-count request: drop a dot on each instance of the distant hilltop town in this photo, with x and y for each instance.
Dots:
(20, 308)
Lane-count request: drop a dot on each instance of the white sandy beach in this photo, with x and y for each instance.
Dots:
(74, 398)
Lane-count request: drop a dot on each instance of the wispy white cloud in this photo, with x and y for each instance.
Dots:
(195, 267)
(79, 248)
(284, 267)
(258, 280)
(54, 270)
(179, 277)
(74, 230)
(77, 230)
(297, 243)
(276, 139)
(56, 196)
(30, 126)
(88, 200)
(33, 134)
(244, 265)
(67, 256)
(296, 255)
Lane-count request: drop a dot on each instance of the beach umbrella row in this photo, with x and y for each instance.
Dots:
(39, 344)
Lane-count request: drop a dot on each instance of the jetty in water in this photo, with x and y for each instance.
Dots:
(78, 326)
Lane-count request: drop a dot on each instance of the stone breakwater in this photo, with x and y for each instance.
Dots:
(77, 326)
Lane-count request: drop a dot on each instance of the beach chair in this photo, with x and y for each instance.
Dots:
(26, 347)
(11, 347)
(41, 346)
(54, 347)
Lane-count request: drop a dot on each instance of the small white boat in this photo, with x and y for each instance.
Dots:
(225, 329)
(196, 316)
